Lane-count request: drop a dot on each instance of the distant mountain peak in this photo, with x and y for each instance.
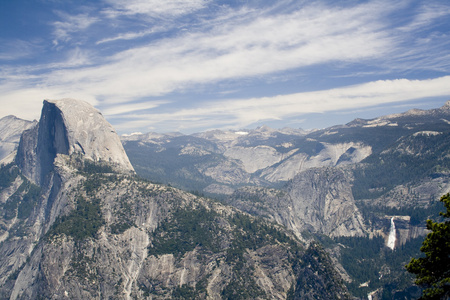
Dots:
(69, 126)
(446, 106)
(264, 128)
(11, 129)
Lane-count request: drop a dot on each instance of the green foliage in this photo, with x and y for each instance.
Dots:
(82, 222)
(119, 228)
(418, 215)
(8, 173)
(168, 166)
(124, 216)
(383, 171)
(433, 270)
(22, 202)
(249, 233)
(316, 276)
(367, 260)
(29, 200)
(184, 292)
(93, 183)
(83, 266)
(187, 229)
(92, 167)
(242, 286)
(360, 258)
(253, 233)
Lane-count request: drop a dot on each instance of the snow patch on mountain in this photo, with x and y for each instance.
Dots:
(427, 133)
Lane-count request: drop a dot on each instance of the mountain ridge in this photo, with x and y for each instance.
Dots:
(342, 186)
(392, 169)
(86, 229)
(283, 153)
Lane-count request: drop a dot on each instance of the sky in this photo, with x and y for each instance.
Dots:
(196, 65)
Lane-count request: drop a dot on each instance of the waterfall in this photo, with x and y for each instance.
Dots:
(391, 239)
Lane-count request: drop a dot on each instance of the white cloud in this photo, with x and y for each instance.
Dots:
(250, 47)
(230, 45)
(127, 36)
(16, 49)
(155, 8)
(27, 103)
(70, 24)
(427, 15)
(239, 113)
(127, 108)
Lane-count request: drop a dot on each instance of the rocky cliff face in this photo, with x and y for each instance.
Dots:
(317, 200)
(147, 252)
(11, 129)
(269, 157)
(323, 198)
(260, 157)
(346, 182)
(67, 127)
(88, 229)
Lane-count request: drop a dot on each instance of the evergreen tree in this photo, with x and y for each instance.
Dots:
(433, 270)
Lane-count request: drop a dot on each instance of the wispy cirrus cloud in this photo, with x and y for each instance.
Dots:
(254, 46)
(126, 36)
(16, 49)
(240, 113)
(426, 15)
(423, 39)
(125, 56)
(132, 107)
(70, 24)
(154, 8)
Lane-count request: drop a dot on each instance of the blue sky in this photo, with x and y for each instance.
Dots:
(194, 65)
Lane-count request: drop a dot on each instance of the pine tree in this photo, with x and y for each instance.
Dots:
(433, 270)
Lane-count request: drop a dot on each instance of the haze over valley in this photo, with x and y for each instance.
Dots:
(358, 192)
(199, 149)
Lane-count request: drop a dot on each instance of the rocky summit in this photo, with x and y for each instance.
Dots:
(334, 213)
(69, 127)
(77, 223)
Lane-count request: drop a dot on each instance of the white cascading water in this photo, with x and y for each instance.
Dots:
(392, 238)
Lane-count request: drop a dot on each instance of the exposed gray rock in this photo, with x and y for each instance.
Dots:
(118, 264)
(66, 127)
(404, 230)
(317, 200)
(263, 156)
(256, 158)
(228, 172)
(89, 233)
(11, 129)
(323, 199)
(219, 189)
(420, 194)
(330, 156)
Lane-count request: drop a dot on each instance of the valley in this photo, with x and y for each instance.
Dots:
(247, 214)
